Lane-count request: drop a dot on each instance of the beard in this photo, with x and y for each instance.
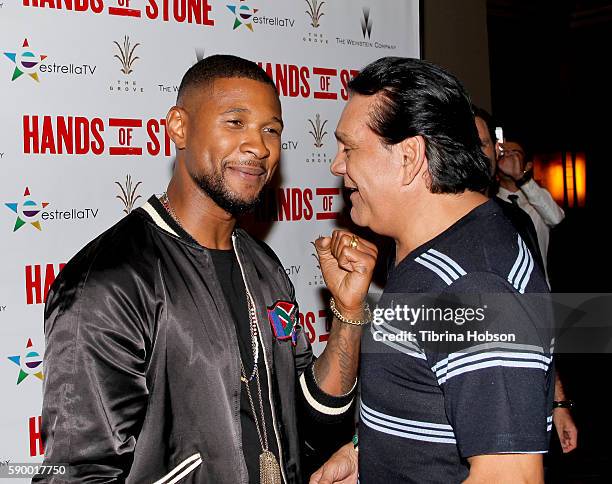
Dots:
(215, 187)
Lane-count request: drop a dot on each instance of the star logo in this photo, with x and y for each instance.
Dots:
(28, 362)
(25, 61)
(27, 211)
(243, 15)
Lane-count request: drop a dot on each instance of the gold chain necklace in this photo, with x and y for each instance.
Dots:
(269, 470)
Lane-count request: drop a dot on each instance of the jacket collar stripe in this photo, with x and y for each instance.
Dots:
(147, 207)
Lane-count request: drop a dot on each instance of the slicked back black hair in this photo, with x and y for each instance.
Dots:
(220, 66)
(420, 98)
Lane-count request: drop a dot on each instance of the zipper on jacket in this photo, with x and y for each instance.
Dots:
(272, 411)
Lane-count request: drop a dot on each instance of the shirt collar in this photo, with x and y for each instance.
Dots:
(503, 194)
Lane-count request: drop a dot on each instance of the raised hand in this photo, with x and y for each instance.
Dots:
(347, 263)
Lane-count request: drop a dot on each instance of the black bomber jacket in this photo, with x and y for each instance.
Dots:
(142, 375)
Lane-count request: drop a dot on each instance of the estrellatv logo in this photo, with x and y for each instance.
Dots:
(25, 61)
(242, 15)
(27, 211)
(29, 363)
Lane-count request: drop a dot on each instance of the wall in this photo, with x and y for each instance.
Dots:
(455, 37)
(85, 86)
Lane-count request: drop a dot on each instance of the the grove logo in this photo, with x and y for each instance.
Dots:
(317, 276)
(126, 55)
(127, 59)
(313, 34)
(314, 12)
(128, 194)
(317, 131)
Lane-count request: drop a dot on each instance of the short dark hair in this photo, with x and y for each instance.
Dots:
(420, 98)
(220, 66)
(516, 136)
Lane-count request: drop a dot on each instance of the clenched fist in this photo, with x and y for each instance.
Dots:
(347, 263)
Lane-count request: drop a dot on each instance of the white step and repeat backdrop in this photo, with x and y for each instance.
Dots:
(85, 86)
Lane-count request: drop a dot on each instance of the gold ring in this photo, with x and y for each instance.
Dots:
(353, 243)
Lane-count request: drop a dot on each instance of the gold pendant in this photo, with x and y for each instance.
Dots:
(269, 471)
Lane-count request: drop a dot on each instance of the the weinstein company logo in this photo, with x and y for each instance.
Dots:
(314, 13)
(366, 31)
(128, 194)
(318, 134)
(127, 58)
(200, 53)
(366, 23)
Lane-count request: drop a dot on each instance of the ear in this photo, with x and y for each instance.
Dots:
(529, 166)
(176, 125)
(412, 151)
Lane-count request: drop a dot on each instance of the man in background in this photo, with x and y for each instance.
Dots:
(516, 185)
(519, 218)
(562, 418)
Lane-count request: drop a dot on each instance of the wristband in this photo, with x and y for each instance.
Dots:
(354, 322)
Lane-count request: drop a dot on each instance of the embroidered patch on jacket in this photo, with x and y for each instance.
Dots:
(283, 317)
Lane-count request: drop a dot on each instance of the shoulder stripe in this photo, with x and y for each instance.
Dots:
(523, 266)
(441, 264)
(436, 269)
(517, 262)
(527, 273)
(442, 256)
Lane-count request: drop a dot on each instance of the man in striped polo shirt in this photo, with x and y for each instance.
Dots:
(456, 369)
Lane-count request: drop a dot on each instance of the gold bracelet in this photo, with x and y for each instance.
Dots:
(354, 322)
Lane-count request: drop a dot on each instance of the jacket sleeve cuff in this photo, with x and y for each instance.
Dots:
(327, 406)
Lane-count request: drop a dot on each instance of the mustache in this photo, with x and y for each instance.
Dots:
(245, 162)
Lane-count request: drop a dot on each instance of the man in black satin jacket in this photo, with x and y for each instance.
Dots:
(174, 351)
